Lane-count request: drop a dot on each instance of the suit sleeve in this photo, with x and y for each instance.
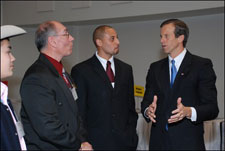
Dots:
(39, 102)
(133, 114)
(207, 109)
(82, 91)
(149, 93)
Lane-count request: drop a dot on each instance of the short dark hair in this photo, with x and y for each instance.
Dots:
(99, 32)
(44, 30)
(180, 28)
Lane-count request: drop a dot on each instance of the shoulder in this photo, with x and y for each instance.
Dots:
(82, 65)
(40, 73)
(37, 68)
(122, 63)
(159, 63)
(200, 60)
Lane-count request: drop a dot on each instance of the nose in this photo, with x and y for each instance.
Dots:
(161, 40)
(118, 42)
(71, 38)
(12, 58)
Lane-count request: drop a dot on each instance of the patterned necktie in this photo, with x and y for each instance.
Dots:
(66, 79)
(109, 71)
(173, 73)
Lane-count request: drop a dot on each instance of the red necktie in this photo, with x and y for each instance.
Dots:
(109, 71)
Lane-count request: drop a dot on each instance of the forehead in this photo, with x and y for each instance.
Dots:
(168, 28)
(110, 32)
(5, 43)
(59, 27)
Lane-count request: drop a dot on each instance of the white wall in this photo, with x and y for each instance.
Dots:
(34, 12)
(139, 46)
(139, 40)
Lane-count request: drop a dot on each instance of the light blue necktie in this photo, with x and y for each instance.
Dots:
(173, 73)
(173, 76)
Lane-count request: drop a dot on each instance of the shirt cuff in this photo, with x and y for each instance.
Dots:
(193, 114)
(145, 113)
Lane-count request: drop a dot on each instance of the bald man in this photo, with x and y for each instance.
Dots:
(49, 109)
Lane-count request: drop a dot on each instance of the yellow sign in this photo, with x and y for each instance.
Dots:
(139, 90)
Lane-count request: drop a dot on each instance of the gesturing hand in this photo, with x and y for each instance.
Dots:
(179, 113)
(151, 110)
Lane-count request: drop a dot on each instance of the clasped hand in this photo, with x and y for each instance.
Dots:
(86, 146)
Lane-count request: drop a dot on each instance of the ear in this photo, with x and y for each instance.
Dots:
(51, 41)
(99, 42)
(181, 38)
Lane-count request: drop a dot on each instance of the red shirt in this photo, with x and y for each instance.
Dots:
(59, 68)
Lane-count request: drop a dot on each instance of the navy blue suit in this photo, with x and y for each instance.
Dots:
(109, 113)
(9, 136)
(195, 84)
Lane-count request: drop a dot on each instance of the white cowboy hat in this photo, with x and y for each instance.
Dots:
(8, 31)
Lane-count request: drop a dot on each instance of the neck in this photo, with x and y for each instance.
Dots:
(51, 54)
(175, 53)
(104, 55)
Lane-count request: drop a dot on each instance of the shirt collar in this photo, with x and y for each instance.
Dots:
(178, 59)
(4, 93)
(104, 61)
(55, 63)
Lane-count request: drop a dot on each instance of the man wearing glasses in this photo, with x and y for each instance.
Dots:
(49, 111)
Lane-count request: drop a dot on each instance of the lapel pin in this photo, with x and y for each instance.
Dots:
(182, 73)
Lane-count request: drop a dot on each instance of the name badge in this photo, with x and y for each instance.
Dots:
(19, 128)
(74, 93)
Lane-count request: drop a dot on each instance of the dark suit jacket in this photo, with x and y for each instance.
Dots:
(109, 113)
(195, 84)
(49, 112)
(9, 136)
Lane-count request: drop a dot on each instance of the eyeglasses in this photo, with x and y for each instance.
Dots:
(66, 34)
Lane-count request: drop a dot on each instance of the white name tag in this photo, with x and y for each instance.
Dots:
(19, 128)
(74, 93)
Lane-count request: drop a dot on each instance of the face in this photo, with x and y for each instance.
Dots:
(170, 44)
(109, 44)
(64, 41)
(7, 59)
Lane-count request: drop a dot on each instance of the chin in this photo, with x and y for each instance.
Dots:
(10, 74)
(116, 52)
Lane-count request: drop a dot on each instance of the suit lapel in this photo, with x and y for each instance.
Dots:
(117, 73)
(59, 81)
(164, 76)
(67, 93)
(98, 68)
(183, 70)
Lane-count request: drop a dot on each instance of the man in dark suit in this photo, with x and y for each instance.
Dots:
(106, 94)
(49, 109)
(179, 96)
(12, 134)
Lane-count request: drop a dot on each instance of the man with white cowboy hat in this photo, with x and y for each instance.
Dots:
(11, 128)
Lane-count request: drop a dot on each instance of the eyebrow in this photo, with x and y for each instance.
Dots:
(65, 30)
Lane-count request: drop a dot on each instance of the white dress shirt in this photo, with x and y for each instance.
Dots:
(178, 60)
(104, 64)
(4, 97)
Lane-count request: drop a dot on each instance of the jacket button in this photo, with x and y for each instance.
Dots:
(60, 103)
(16, 134)
(113, 115)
